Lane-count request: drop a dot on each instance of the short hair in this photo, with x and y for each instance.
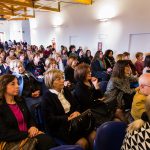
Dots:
(119, 67)
(14, 63)
(126, 54)
(144, 78)
(71, 47)
(71, 59)
(81, 72)
(120, 57)
(138, 54)
(50, 61)
(50, 76)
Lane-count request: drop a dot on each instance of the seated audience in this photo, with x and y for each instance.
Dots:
(99, 68)
(72, 51)
(118, 90)
(109, 59)
(16, 122)
(87, 88)
(119, 57)
(127, 57)
(147, 64)
(138, 105)
(88, 56)
(29, 87)
(139, 63)
(50, 63)
(59, 108)
(64, 55)
(69, 70)
(4, 68)
(138, 132)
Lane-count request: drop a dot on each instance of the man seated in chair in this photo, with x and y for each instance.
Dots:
(138, 105)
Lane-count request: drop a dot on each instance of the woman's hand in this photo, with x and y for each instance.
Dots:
(109, 70)
(33, 131)
(36, 93)
(95, 82)
(67, 83)
(73, 115)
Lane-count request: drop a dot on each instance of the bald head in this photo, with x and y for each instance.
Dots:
(144, 84)
(144, 79)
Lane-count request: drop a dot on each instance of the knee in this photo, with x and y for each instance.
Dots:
(92, 136)
(83, 143)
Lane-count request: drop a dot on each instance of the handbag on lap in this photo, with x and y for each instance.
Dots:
(83, 124)
(101, 112)
(25, 144)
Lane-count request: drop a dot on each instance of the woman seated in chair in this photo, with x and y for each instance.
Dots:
(87, 88)
(118, 93)
(16, 123)
(29, 87)
(59, 108)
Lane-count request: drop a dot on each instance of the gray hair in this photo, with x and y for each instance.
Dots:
(50, 76)
(14, 63)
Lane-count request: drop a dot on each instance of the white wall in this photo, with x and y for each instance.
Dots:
(26, 36)
(15, 28)
(80, 21)
(4, 27)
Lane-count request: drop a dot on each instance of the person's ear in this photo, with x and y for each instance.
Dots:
(141, 86)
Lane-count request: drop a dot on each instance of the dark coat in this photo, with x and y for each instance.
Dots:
(9, 130)
(86, 95)
(69, 74)
(4, 70)
(56, 121)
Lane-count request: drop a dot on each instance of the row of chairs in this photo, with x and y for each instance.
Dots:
(109, 136)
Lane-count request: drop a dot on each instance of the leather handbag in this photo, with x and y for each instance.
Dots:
(101, 113)
(25, 144)
(83, 124)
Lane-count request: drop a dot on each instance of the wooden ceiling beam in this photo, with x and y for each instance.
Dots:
(4, 5)
(6, 13)
(30, 5)
(18, 8)
(15, 14)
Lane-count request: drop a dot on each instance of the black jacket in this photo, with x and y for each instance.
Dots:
(56, 121)
(69, 74)
(86, 95)
(9, 130)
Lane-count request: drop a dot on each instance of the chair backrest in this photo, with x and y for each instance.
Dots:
(38, 117)
(110, 136)
(103, 86)
(67, 147)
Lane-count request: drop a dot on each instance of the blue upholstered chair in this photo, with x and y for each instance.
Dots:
(110, 136)
(103, 86)
(67, 147)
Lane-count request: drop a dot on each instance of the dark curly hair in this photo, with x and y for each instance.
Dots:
(118, 70)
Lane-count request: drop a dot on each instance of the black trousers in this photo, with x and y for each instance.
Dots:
(45, 142)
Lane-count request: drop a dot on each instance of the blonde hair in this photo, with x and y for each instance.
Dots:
(137, 124)
(119, 57)
(49, 62)
(14, 63)
(50, 76)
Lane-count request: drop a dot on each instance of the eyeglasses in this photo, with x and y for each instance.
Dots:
(146, 85)
(59, 78)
